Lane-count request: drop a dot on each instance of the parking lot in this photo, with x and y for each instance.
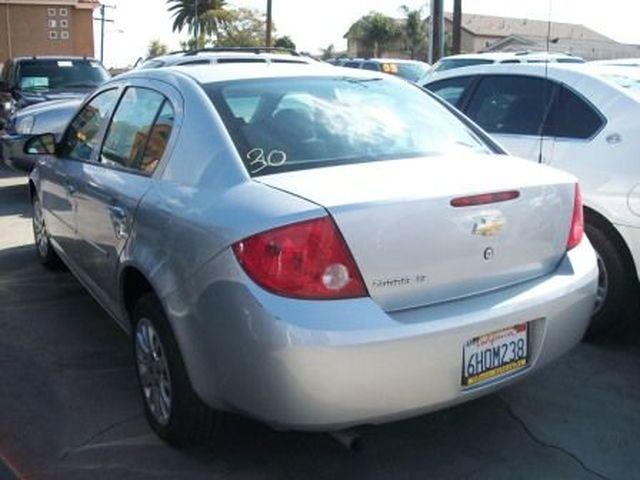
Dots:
(70, 408)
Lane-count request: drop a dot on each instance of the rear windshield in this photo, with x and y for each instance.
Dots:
(410, 71)
(450, 64)
(47, 75)
(631, 84)
(296, 123)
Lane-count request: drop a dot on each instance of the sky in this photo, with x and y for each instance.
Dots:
(315, 25)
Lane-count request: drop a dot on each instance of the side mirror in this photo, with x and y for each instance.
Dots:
(44, 144)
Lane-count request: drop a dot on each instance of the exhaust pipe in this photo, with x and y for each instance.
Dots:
(348, 439)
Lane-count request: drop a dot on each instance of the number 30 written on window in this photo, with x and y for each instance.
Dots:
(259, 161)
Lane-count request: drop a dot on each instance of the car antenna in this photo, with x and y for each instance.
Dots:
(546, 105)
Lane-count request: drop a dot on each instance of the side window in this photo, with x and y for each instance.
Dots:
(371, 66)
(450, 90)
(81, 138)
(573, 117)
(129, 133)
(352, 64)
(158, 138)
(511, 104)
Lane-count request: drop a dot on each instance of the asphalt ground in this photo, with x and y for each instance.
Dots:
(70, 408)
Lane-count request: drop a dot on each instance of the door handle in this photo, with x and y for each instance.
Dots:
(118, 212)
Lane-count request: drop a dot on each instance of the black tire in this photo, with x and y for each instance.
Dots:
(44, 250)
(618, 305)
(190, 422)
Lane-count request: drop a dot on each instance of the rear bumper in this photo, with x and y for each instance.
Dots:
(317, 365)
(12, 154)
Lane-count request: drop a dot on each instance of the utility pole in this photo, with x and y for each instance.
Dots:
(103, 19)
(436, 31)
(269, 24)
(457, 26)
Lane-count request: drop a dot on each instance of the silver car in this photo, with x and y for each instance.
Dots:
(312, 246)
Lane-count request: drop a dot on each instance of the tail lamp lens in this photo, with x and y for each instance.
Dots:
(309, 259)
(576, 232)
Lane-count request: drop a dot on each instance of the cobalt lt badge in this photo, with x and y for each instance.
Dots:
(488, 253)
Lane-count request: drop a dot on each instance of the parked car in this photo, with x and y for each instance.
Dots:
(214, 55)
(312, 247)
(578, 118)
(53, 116)
(472, 59)
(618, 62)
(410, 70)
(46, 117)
(28, 80)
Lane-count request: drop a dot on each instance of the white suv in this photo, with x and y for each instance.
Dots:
(584, 119)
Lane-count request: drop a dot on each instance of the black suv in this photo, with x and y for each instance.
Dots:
(28, 80)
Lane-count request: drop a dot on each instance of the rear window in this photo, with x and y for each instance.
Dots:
(630, 84)
(62, 74)
(450, 64)
(411, 71)
(296, 123)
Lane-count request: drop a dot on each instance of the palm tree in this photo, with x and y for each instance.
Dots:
(210, 13)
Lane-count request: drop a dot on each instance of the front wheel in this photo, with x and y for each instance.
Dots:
(46, 254)
(171, 406)
(615, 300)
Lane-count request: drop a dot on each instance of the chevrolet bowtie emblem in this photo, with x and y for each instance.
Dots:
(488, 226)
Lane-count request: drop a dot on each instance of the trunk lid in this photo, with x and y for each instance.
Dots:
(414, 248)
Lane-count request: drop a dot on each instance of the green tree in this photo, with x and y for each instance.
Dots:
(414, 32)
(156, 48)
(329, 52)
(378, 31)
(243, 27)
(285, 42)
(211, 14)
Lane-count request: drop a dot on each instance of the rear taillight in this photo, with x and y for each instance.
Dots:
(309, 259)
(576, 232)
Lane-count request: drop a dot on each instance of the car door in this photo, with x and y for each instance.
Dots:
(110, 189)
(513, 109)
(58, 179)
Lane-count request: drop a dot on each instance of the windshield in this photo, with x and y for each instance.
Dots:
(295, 123)
(450, 64)
(47, 75)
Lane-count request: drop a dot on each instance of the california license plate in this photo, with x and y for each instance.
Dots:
(495, 355)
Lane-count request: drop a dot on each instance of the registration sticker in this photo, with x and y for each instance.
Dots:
(495, 355)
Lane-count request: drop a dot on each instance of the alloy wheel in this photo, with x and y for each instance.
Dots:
(153, 371)
(40, 230)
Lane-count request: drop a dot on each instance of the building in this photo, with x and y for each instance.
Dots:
(46, 27)
(485, 33)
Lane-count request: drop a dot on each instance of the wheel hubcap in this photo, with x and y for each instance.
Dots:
(39, 229)
(603, 284)
(153, 371)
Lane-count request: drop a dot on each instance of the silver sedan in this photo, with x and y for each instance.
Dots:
(313, 246)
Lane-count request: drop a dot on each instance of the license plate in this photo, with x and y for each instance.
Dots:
(494, 355)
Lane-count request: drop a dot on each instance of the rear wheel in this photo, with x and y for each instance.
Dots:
(171, 406)
(615, 300)
(46, 254)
